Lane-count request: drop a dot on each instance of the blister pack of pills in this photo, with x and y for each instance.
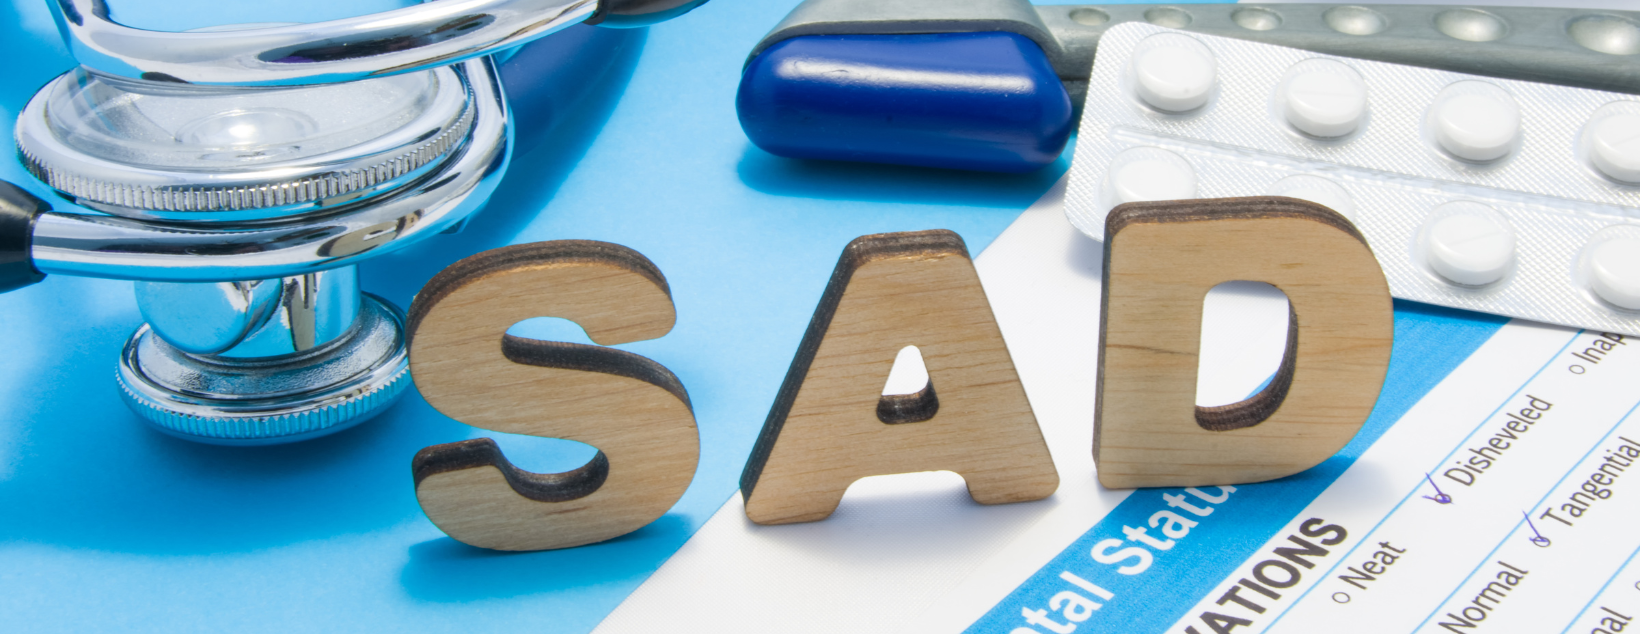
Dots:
(1506, 197)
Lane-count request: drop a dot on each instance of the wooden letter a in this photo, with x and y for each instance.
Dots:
(830, 424)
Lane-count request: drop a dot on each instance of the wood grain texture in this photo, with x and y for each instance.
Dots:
(830, 424)
(1161, 258)
(632, 409)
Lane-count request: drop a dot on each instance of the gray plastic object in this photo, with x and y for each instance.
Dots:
(1587, 48)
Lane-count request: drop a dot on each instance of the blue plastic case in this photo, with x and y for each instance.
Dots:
(973, 101)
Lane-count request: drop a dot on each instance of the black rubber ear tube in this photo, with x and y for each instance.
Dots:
(18, 209)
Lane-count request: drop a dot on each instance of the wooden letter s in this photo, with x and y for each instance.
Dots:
(632, 409)
(1161, 258)
(830, 424)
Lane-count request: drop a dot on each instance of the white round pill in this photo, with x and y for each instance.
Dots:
(1614, 271)
(1476, 127)
(1325, 103)
(1174, 78)
(1151, 179)
(1614, 146)
(1468, 243)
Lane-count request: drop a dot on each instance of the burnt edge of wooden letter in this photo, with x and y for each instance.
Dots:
(507, 258)
(483, 452)
(555, 354)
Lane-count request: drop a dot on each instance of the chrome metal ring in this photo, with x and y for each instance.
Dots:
(123, 248)
(261, 189)
(268, 400)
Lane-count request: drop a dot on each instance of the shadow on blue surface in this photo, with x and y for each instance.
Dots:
(448, 571)
(809, 178)
(101, 480)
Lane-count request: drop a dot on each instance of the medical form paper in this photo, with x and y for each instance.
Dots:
(1488, 492)
(1496, 503)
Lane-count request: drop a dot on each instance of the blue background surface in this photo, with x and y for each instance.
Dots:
(106, 525)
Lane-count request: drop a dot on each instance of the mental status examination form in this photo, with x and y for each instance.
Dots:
(1504, 500)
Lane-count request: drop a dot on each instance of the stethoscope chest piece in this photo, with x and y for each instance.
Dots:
(224, 399)
(240, 212)
(259, 359)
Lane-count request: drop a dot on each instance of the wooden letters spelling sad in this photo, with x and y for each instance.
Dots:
(830, 426)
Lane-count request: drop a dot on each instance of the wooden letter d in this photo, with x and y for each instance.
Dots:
(1160, 260)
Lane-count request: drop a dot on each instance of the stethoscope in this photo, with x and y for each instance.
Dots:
(239, 174)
